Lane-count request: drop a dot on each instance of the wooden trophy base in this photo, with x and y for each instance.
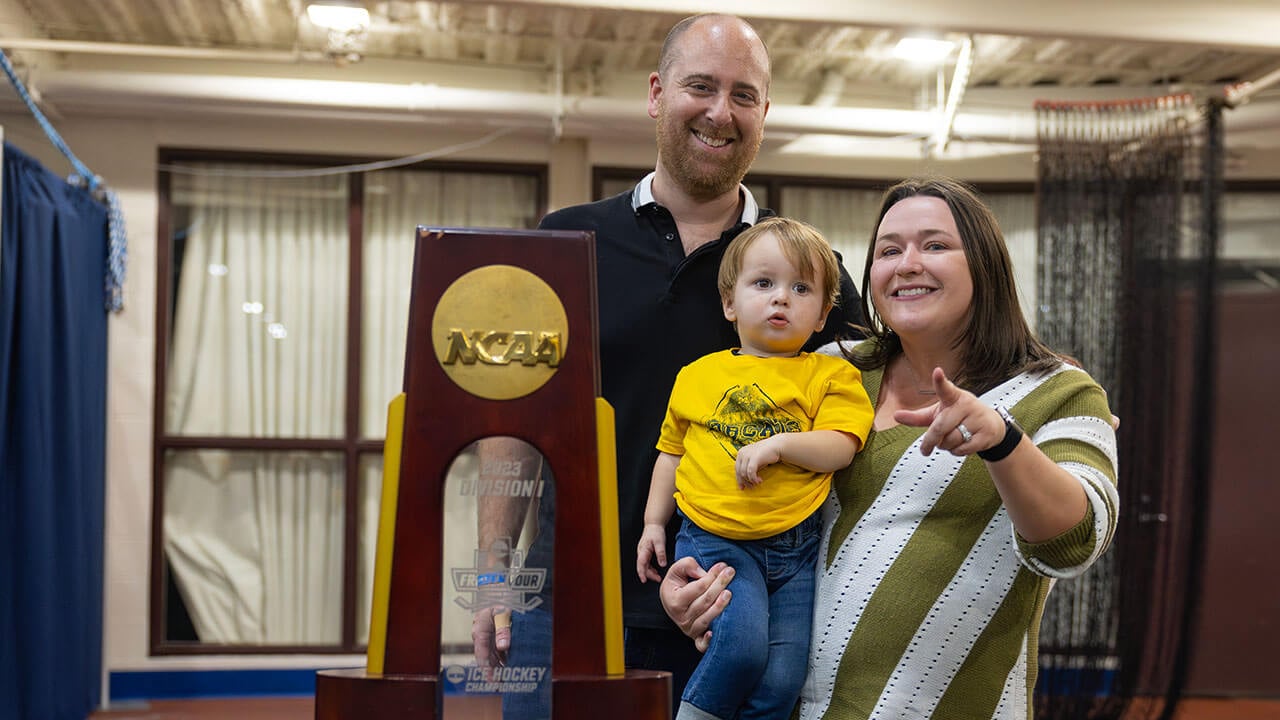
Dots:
(637, 695)
(353, 694)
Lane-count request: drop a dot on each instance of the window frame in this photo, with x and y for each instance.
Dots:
(350, 445)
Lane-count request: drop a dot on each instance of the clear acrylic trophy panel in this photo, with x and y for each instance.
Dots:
(504, 575)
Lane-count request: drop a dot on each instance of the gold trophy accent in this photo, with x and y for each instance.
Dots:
(499, 332)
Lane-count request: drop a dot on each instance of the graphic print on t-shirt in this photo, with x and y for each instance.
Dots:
(746, 414)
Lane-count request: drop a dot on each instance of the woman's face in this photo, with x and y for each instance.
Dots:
(920, 281)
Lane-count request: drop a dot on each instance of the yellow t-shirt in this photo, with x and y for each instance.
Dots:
(723, 401)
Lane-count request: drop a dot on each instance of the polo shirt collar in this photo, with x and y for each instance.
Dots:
(642, 196)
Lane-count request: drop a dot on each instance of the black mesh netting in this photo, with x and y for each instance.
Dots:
(1127, 214)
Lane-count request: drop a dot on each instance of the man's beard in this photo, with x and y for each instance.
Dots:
(691, 172)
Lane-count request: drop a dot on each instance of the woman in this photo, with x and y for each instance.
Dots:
(935, 566)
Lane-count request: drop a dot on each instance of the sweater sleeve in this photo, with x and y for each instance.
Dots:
(1076, 433)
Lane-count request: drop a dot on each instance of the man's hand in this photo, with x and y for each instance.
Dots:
(693, 597)
(491, 636)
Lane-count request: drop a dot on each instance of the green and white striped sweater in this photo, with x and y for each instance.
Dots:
(928, 604)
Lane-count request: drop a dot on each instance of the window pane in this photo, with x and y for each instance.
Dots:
(845, 216)
(1249, 226)
(260, 305)
(1016, 213)
(395, 203)
(612, 186)
(370, 509)
(254, 542)
(459, 551)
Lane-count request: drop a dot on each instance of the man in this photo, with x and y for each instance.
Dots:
(658, 250)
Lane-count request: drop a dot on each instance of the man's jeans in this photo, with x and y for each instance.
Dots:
(530, 647)
(663, 649)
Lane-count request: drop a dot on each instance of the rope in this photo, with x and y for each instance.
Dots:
(117, 242)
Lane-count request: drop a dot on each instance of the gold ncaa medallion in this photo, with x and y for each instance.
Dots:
(499, 332)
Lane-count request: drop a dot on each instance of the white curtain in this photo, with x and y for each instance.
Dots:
(254, 539)
(1016, 213)
(845, 216)
(396, 202)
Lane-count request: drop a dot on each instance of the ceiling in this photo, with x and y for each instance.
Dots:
(580, 67)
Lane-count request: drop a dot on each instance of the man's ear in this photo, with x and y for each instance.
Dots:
(655, 90)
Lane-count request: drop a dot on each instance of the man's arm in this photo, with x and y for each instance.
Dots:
(499, 517)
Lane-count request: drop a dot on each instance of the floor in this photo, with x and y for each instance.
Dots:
(276, 709)
(304, 709)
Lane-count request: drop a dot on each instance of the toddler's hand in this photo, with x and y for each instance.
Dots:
(653, 547)
(755, 457)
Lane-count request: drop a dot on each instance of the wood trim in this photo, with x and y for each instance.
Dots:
(169, 156)
(355, 325)
(157, 611)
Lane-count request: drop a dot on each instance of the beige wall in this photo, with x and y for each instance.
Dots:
(124, 152)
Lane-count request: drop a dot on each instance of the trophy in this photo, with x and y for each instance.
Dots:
(502, 342)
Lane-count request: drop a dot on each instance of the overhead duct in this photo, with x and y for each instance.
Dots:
(145, 92)
(149, 93)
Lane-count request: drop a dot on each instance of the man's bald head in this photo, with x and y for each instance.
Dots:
(672, 47)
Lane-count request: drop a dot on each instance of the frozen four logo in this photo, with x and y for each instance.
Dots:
(499, 580)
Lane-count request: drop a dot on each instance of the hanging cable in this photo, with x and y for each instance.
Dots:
(339, 169)
(117, 242)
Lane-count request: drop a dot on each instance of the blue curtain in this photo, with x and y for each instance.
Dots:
(53, 380)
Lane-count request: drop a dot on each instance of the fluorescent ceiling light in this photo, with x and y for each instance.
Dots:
(923, 50)
(342, 17)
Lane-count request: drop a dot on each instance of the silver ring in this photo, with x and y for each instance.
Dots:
(964, 432)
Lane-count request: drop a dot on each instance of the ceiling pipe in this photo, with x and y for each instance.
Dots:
(829, 90)
(167, 51)
(120, 90)
(1241, 93)
(959, 83)
(149, 93)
